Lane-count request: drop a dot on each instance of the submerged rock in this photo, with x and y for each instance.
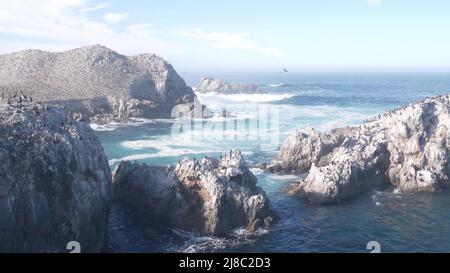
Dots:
(208, 196)
(208, 84)
(408, 148)
(99, 83)
(55, 181)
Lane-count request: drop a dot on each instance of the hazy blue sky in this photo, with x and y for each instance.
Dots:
(315, 35)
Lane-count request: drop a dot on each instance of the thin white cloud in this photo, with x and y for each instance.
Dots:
(141, 30)
(374, 2)
(229, 40)
(115, 17)
(61, 25)
(94, 8)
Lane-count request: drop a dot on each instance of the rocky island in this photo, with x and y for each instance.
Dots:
(98, 83)
(208, 84)
(408, 148)
(55, 181)
(209, 196)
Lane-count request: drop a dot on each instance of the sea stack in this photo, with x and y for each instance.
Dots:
(208, 84)
(209, 196)
(55, 181)
(408, 148)
(97, 82)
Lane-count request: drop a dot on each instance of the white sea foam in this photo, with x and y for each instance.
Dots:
(194, 243)
(256, 171)
(114, 125)
(168, 146)
(276, 84)
(285, 177)
(205, 97)
(166, 152)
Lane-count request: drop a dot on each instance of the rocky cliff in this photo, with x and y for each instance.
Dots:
(408, 148)
(208, 196)
(55, 181)
(97, 82)
(208, 84)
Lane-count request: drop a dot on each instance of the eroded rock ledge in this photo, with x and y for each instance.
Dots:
(408, 148)
(55, 181)
(209, 196)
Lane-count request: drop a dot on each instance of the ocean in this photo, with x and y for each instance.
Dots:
(399, 222)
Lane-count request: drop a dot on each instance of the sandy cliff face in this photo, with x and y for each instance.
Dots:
(96, 81)
(55, 181)
(408, 148)
(208, 196)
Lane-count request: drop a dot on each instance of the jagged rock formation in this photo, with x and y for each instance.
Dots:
(191, 110)
(300, 150)
(408, 148)
(55, 181)
(208, 84)
(208, 196)
(97, 82)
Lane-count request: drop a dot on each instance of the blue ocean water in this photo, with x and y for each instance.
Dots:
(399, 222)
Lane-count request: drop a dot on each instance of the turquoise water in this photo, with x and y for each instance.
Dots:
(399, 222)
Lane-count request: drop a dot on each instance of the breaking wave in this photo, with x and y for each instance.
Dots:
(233, 98)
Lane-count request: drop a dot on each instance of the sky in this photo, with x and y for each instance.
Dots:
(243, 35)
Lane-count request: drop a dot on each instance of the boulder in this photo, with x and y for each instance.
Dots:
(300, 150)
(209, 196)
(408, 148)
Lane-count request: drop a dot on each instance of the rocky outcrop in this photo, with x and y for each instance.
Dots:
(191, 110)
(300, 150)
(408, 148)
(208, 84)
(208, 196)
(97, 82)
(55, 181)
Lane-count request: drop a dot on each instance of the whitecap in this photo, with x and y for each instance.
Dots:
(256, 171)
(285, 177)
(194, 243)
(268, 97)
(276, 84)
(115, 125)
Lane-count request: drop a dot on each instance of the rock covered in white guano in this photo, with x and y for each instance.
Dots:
(209, 196)
(97, 82)
(300, 150)
(208, 84)
(55, 181)
(408, 148)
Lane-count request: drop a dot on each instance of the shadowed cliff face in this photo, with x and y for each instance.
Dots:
(408, 148)
(95, 80)
(55, 181)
